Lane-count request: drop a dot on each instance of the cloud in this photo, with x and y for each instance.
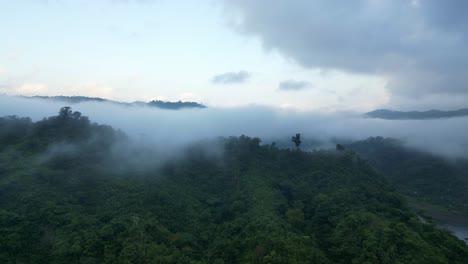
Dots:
(293, 85)
(231, 77)
(32, 89)
(173, 129)
(418, 46)
(188, 97)
(18, 86)
(92, 89)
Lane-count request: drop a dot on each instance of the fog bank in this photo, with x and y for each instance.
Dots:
(171, 128)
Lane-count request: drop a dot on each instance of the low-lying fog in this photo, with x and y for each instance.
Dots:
(168, 128)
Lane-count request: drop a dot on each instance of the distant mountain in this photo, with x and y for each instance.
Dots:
(431, 114)
(71, 99)
(154, 103)
(175, 105)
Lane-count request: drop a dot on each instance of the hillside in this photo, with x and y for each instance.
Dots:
(431, 114)
(428, 177)
(154, 103)
(76, 192)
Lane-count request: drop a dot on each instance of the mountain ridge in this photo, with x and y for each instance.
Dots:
(153, 103)
(415, 115)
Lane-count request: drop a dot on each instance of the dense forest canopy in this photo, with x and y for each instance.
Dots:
(70, 192)
(415, 173)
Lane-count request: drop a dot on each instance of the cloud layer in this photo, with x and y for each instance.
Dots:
(168, 129)
(417, 45)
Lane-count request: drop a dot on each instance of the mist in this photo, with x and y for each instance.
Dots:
(173, 129)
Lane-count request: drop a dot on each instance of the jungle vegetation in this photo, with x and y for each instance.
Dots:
(71, 192)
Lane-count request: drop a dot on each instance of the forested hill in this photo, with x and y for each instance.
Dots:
(419, 174)
(431, 114)
(154, 103)
(69, 193)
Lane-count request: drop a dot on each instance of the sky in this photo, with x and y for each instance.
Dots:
(321, 55)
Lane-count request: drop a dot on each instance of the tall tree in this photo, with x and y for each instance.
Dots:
(65, 112)
(297, 140)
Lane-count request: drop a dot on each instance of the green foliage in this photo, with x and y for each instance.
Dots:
(297, 140)
(421, 175)
(62, 200)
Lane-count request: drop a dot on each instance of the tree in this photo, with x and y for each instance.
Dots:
(340, 147)
(76, 115)
(65, 112)
(297, 140)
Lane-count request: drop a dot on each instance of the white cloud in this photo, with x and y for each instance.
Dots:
(30, 89)
(91, 89)
(188, 97)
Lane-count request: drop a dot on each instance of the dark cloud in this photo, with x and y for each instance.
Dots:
(418, 46)
(446, 15)
(231, 77)
(293, 85)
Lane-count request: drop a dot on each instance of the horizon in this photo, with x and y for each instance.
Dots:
(58, 97)
(442, 136)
